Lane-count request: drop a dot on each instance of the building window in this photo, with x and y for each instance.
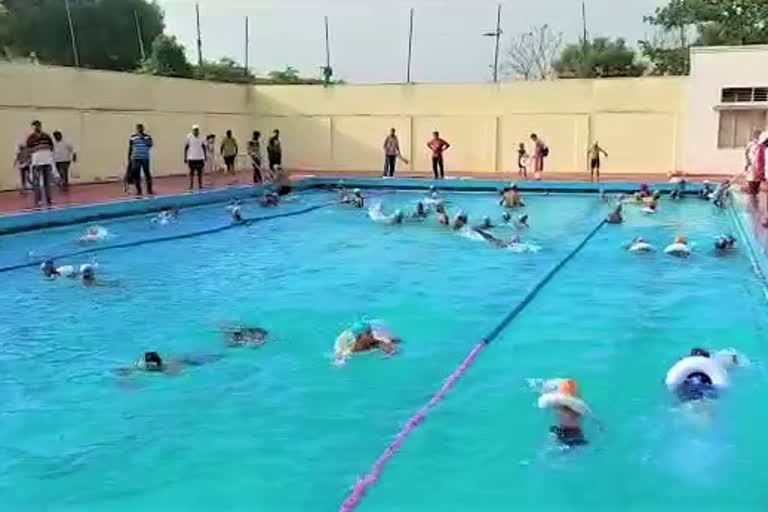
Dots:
(736, 127)
(744, 95)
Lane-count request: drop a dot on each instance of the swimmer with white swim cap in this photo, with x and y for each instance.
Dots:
(615, 217)
(88, 273)
(562, 395)
(724, 244)
(679, 248)
(362, 337)
(48, 267)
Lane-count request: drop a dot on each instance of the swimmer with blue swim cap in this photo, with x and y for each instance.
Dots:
(362, 336)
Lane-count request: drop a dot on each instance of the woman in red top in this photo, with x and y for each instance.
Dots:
(438, 145)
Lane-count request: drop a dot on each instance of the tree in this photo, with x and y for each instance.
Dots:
(712, 22)
(105, 31)
(226, 70)
(530, 55)
(598, 58)
(289, 75)
(168, 58)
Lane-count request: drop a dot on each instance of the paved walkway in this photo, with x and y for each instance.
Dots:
(14, 201)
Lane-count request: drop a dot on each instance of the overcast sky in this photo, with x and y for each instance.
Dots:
(369, 38)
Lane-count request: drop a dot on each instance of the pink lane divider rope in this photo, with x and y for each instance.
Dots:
(363, 484)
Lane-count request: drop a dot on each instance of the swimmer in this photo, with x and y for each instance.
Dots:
(485, 223)
(522, 222)
(166, 216)
(679, 190)
(246, 336)
(87, 271)
(433, 197)
(640, 245)
(376, 214)
(442, 215)
(343, 194)
(421, 212)
(152, 362)
(724, 244)
(362, 336)
(615, 216)
(645, 191)
(506, 217)
(88, 274)
(460, 220)
(49, 269)
(237, 214)
(94, 234)
(357, 200)
(269, 199)
(706, 190)
(562, 396)
(720, 195)
(511, 198)
(696, 377)
(650, 204)
(679, 247)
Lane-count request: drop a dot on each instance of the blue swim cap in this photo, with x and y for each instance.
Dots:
(359, 328)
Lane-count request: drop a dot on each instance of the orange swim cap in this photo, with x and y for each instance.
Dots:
(569, 387)
(680, 239)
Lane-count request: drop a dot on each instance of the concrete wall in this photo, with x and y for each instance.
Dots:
(641, 122)
(713, 69)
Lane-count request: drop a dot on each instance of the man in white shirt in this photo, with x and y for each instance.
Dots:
(194, 156)
(63, 156)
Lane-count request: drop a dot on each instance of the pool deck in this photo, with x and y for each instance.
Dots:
(90, 193)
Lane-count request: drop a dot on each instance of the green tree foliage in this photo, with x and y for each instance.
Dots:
(711, 22)
(225, 70)
(599, 58)
(167, 59)
(105, 31)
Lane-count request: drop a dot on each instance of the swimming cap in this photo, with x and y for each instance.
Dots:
(359, 328)
(681, 239)
(699, 352)
(569, 387)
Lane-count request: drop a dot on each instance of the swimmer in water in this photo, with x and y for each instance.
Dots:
(498, 242)
(679, 190)
(562, 396)
(522, 222)
(460, 221)
(679, 247)
(615, 217)
(48, 267)
(442, 215)
(645, 191)
(650, 203)
(724, 244)
(696, 385)
(362, 337)
(152, 362)
(506, 217)
(720, 195)
(88, 274)
(246, 336)
(511, 198)
(166, 216)
(357, 200)
(485, 224)
(706, 191)
(94, 234)
(269, 199)
(639, 245)
(421, 212)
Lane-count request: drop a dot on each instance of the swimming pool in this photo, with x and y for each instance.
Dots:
(282, 428)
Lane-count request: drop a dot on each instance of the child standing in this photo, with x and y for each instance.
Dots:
(522, 160)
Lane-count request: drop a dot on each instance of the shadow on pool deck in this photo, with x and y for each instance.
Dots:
(14, 201)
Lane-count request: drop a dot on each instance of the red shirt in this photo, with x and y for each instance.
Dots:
(437, 146)
(39, 142)
(759, 172)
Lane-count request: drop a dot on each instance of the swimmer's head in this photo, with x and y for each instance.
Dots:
(398, 216)
(656, 194)
(486, 223)
(420, 208)
(514, 187)
(153, 362)
(357, 192)
(48, 267)
(360, 328)
(569, 387)
(440, 208)
(681, 239)
(506, 217)
(699, 352)
(88, 272)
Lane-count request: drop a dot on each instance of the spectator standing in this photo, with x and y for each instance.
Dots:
(275, 151)
(254, 151)
(438, 146)
(391, 153)
(63, 156)
(540, 152)
(750, 167)
(593, 154)
(23, 162)
(210, 153)
(229, 150)
(139, 152)
(194, 156)
(40, 146)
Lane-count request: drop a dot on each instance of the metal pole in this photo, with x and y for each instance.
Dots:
(199, 37)
(327, 45)
(138, 33)
(246, 46)
(72, 34)
(496, 52)
(410, 49)
(584, 21)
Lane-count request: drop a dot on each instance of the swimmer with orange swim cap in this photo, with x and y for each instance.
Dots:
(562, 395)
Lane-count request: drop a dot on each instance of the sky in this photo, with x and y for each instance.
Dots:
(369, 38)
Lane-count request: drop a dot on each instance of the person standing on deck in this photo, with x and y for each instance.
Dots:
(210, 154)
(754, 177)
(40, 147)
(391, 153)
(540, 152)
(593, 153)
(229, 150)
(275, 151)
(63, 155)
(194, 156)
(438, 146)
(22, 162)
(139, 151)
(254, 151)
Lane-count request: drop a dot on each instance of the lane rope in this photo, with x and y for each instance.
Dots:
(363, 484)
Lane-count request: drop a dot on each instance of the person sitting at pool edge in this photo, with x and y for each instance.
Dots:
(615, 216)
(511, 198)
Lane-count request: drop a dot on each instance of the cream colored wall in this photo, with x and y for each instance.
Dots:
(641, 122)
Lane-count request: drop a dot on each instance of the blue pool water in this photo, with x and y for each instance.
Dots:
(282, 428)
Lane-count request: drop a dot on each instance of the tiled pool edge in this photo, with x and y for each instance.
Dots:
(29, 221)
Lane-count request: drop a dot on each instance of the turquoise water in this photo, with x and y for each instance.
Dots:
(282, 428)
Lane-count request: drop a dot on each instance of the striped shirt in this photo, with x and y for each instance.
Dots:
(140, 144)
(40, 145)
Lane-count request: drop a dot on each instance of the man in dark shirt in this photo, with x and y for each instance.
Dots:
(40, 147)
(438, 146)
(275, 151)
(139, 149)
